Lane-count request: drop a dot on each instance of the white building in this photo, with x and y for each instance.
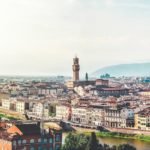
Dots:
(63, 112)
(79, 115)
(22, 106)
(39, 111)
(88, 116)
(6, 104)
(127, 113)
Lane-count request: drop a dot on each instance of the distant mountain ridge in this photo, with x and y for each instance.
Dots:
(134, 69)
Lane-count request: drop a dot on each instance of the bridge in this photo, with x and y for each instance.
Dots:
(31, 116)
(79, 125)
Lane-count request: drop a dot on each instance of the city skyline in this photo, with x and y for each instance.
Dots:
(40, 37)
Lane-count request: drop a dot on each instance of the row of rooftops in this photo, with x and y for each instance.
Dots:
(145, 112)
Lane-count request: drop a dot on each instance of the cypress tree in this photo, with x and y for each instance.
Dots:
(86, 76)
(93, 142)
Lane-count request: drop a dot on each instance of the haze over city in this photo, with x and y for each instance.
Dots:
(40, 37)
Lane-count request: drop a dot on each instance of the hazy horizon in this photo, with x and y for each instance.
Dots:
(40, 37)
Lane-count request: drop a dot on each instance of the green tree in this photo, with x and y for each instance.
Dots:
(86, 76)
(93, 142)
(106, 76)
(75, 142)
(126, 147)
(114, 147)
(69, 142)
(83, 142)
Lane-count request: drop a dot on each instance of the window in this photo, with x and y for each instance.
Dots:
(39, 140)
(19, 142)
(57, 147)
(40, 148)
(24, 141)
(32, 148)
(57, 138)
(32, 141)
(14, 143)
(51, 140)
(45, 140)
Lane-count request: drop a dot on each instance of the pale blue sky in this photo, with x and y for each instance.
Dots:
(40, 37)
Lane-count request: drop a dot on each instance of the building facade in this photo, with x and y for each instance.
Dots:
(30, 137)
(63, 112)
(142, 119)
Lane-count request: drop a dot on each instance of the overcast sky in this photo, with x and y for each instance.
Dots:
(40, 37)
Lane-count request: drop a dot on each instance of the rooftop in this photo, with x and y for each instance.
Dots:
(29, 129)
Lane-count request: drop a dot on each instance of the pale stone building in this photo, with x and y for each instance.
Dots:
(63, 112)
(6, 103)
(22, 106)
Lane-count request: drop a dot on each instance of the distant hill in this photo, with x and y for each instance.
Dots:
(135, 69)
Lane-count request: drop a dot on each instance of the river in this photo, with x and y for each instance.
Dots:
(140, 145)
